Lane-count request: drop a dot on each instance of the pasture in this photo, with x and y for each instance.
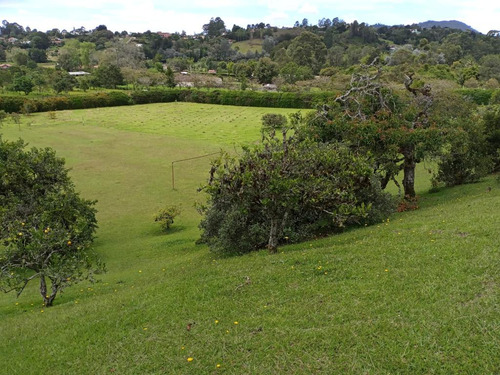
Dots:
(418, 293)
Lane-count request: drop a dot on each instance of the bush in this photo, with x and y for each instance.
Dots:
(287, 190)
(166, 216)
(495, 97)
(466, 157)
(478, 96)
(491, 124)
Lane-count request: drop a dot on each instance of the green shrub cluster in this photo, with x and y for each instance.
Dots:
(478, 96)
(287, 190)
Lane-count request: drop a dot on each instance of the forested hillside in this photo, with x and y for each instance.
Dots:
(298, 58)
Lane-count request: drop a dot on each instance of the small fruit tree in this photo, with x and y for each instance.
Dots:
(46, 228)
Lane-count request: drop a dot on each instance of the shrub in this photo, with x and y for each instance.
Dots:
(491, 123)
(466, 158)
(478, 96)
(166, 216)
(286, 190)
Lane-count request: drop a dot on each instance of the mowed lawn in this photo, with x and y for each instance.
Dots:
(416, 294)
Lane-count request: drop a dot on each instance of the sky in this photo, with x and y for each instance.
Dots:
(191, 15)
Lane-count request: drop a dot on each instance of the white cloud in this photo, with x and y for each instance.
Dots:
(307, 8)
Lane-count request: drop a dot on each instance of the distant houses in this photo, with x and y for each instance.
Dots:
(78, 74)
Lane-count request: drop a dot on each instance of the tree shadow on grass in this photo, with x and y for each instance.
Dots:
(159, 232)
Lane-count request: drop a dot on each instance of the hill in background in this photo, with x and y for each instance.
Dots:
(450, 24)
(444, 24)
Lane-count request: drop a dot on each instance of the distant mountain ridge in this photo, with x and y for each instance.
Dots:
(429, 24)
(450, 24)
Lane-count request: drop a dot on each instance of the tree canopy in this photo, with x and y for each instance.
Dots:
(46, 228)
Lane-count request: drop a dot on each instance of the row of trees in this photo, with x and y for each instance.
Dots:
(331, 43)
(23, 79)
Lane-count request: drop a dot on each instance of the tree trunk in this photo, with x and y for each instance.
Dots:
(272, 245)
(47, 300)
(409, 165)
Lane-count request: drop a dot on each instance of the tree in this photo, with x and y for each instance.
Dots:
(122, 53)
(266, 70)
(108, 76)
(40, 40)
(37, 55)
(63, 82)
(292, 73)
(169, 74)
(491, 123)
(465, 157)
(396, 129)
(490, 67)
(68, 59)
(86, 51)
(268, 44)
(20, 57)
(284, 190)
(216, 27)
(309, 50)
(22, 83)
(464, 70)
(46, 228)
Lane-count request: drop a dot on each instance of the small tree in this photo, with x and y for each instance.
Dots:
(22, 83)
(491, 121)
(63, 82)
(108, 76)
(46, 228)
(266, 70)
(169, 74)
(166, 216)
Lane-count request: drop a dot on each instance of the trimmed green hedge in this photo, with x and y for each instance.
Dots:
(231, 97)
(93, 100)
(224, 97)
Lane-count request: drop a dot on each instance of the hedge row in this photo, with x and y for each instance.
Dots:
(103, 99)
(230, 97)
(109, 99)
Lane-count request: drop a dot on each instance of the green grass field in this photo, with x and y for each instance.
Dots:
(416, 294)
(253, 45)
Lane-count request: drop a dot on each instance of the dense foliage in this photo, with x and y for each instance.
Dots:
(285, 190)
(46, 228)
(283, 56)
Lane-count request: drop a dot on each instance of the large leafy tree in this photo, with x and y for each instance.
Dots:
(46, 228)
(397, 130)
(216, 27)
(309, 50)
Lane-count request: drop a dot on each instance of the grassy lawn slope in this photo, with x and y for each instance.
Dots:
(415, 294)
